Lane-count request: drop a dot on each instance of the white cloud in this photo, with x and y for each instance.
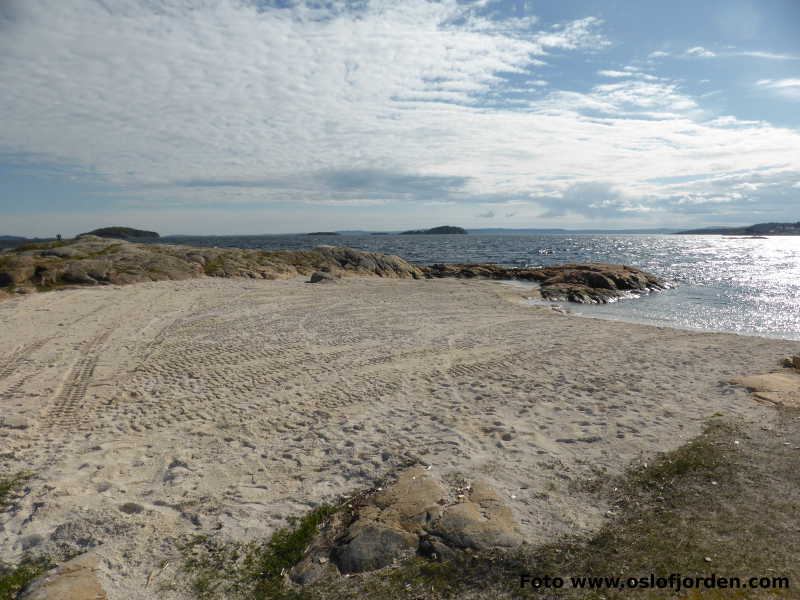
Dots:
(627, 72)
(610, 73)
(786, 88)
(572, 36)
(150, 91)
(658, 54)
(767, 55)
(207, 102)
(700, 52)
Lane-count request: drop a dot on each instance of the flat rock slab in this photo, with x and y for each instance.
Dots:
(74, 580)
(778, 389)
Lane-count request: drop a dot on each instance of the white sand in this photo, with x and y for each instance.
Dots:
(225, 406)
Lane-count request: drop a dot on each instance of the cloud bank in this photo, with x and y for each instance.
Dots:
(207, 102)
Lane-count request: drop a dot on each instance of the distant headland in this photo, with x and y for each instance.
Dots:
(757, 229)
(123, 233)
(323, 233)
(444, 229)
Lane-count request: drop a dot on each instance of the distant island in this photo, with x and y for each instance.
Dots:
(323, 233)
(122, 233)
(444, 229)
(757, 229)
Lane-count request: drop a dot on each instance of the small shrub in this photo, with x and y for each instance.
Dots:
(38, 246)
(10, 484)
(252, 571)
(14, 579)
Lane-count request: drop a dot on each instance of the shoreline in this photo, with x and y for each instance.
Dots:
(226, 406)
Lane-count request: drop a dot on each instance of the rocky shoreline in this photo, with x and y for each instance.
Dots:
(92, 260)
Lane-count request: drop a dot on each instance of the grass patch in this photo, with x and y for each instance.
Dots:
(14, 579)
(38, 246)
(9, 485)
(251, 571)
(212, 267)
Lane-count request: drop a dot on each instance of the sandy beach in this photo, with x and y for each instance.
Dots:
(225, 406)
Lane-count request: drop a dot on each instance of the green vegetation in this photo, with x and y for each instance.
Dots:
(39, 246)
(123, 233)
(9, 485)
(14, 579)
(252, 571)
(111, 249)
(444, 229)
(213, 267)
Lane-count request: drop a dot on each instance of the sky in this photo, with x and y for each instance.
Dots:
(256, 116)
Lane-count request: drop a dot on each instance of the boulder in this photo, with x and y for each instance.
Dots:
(372, 546)
(416, 514)
(321, 277)
(412, 502)
(482, 522)
(76, 579)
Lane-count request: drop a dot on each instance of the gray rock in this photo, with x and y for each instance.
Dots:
(131, 508)
(30, 541)
(321, 277)
(310, 571)
(374, 546)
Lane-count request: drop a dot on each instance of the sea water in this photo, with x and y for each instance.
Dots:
(729, 284)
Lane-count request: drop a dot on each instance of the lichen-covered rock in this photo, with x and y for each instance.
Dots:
(93, 260)
(416, 514)
(482, 522)
(90, 271)
(585, 283)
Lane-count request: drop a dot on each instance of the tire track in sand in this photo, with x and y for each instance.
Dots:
(69, 414)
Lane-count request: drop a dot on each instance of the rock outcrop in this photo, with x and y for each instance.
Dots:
(76, 579)
(586, 283)
(415, 515)
(92, 260)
